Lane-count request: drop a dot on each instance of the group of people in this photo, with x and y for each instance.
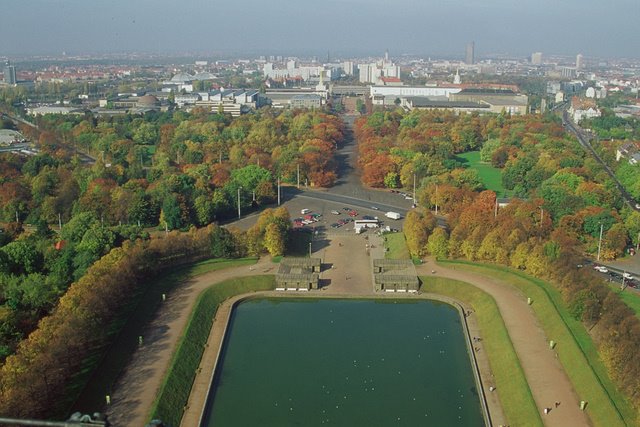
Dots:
(547, 410)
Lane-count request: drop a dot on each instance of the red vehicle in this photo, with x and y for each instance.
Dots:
(353, 214)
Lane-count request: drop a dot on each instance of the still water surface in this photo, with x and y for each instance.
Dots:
(344, 362)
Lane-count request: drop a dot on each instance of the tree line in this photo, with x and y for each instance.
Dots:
(51, 366)
(167, 170)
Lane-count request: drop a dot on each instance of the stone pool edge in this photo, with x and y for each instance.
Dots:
(201, 388)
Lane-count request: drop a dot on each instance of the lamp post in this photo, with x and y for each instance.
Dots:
(414, 188)
(239, 215)
(600, 242)
(278, 191)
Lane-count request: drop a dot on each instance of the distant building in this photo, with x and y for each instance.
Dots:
(498, 99)
(232, 101)
(187, 99)
(10, 74)
(310, 100)
(423, 103)
(536, 58)
(553, 87)
(41, 111)
(568, 72)
(559, 97)
(348, 68)
(628, 151)
(372, 72)
(470, 57)
(293, 70)
(380, 92)
(579, 61)
(591, 92)
(390, 81)
(583, 108)
(294, 98)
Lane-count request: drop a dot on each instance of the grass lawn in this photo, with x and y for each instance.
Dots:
(396, 245)
(176, 387)
(576, 350)
(490, 176)
(142, 310)
(516, 398)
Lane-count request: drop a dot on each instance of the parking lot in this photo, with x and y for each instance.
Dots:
(324, 208)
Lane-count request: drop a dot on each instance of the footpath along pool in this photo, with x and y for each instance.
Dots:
(344, 362)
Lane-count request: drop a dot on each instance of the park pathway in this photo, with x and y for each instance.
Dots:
(139, 384)
(544, 373)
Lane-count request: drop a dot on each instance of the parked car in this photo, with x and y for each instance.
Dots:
(375, 208)
(627, 276)
(601, 268)
(353, 214)
(336, 225)
(335, 212)
(305, 211)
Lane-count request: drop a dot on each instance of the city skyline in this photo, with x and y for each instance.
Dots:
(345, 28)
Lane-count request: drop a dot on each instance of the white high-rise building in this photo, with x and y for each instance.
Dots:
(371, 73)
(536, 58)
(348, 67)
(579, 61)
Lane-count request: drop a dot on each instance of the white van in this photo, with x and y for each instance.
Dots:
(305, 211)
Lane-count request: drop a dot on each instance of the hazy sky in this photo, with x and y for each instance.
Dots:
(430, 27)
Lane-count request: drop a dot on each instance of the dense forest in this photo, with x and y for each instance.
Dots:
(50, 367)
(538, 161)
(564, 200)
(161, 170)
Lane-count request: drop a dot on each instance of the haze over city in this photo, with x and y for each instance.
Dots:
(345, 27)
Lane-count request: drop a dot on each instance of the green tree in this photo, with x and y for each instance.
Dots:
(204, 209)
(438, 243)
(391, 180)
(171, 214)
(274, 240)
(222, 243)
(23, 257)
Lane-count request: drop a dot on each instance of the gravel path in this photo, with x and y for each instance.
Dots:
(140, 382)
(545, 375)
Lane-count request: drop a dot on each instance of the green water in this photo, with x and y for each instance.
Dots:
(344, 362)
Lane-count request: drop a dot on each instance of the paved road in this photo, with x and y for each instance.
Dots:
(583, 139)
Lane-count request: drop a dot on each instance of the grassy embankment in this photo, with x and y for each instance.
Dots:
(629, 297)
(576, 350)
(142, 310)
(491, 177)
(396, 246)
(174, 392)
(515, 395)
